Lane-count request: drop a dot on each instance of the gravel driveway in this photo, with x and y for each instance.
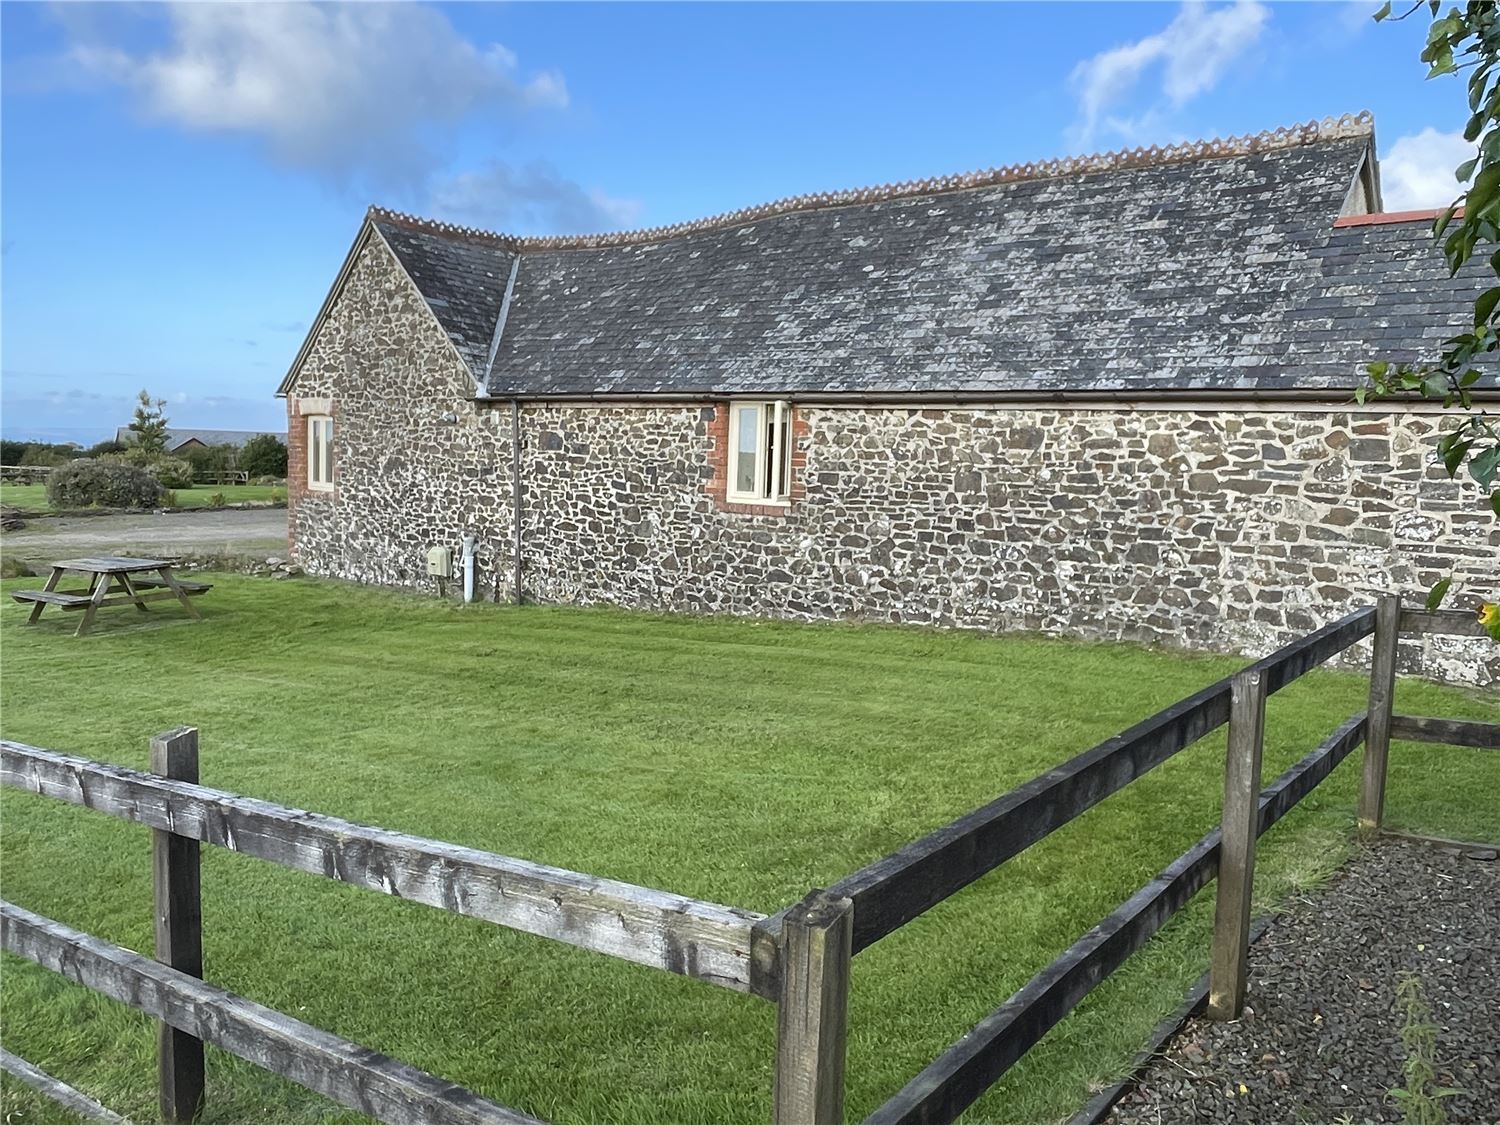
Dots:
(1320, 1042)
(256, 532)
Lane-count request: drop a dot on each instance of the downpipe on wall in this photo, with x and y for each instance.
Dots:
(468, 569)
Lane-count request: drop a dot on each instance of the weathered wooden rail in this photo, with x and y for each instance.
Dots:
(800, 957)
(671, 932)
(24, 474)
(222, 476)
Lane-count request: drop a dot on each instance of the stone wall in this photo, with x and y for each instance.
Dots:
(1220, 529)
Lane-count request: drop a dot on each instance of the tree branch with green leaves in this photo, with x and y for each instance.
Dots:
(1462, 39)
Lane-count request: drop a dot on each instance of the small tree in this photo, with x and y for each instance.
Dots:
(150, 424)
(210, 458)
(43, 455)
(264, 455)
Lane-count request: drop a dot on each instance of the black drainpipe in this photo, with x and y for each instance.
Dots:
(515, 487)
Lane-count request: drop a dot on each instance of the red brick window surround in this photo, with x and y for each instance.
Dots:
(299, 468)
(721, 447)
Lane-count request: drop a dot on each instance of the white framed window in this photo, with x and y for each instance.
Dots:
(760, 452)
(320, 452)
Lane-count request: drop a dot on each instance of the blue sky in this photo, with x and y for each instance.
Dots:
(179, 183)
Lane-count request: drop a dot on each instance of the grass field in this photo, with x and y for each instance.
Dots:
(33, 497)
(736, 761)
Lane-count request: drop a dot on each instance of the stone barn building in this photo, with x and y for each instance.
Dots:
(1108, 396)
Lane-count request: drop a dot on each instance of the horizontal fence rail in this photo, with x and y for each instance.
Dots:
(892, 891)
(1451, 732)
(1450, 622)
(697, 939)
(58, 1091)
(351, 1075)
(957, 1078)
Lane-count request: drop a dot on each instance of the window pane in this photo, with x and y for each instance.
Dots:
(314, 450)
(784, 451)
(748, 425)
(773, 451)
(328, 451)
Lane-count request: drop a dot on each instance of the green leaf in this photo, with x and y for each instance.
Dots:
(1435, 385)
(1385, 11)
(1465, 170)
(1453, 450)
(1435, 598)
(1484, 305)
(1485, 186)
(1485, 465)
(1495, 502)
(1359, 394)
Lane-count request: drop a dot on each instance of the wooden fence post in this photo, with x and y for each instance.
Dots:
(1241, 818)
(1378, 717)
(813, 1010)
(179, 929)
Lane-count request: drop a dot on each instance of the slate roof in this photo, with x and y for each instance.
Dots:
(1207, 268)
(177, 438)
(462, 280)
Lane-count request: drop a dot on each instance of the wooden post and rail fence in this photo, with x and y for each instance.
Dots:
(799, 958)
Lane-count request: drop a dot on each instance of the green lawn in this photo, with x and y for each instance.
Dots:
(736, 761)
(33, 497)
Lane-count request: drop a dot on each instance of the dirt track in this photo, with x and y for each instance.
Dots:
(254, 532)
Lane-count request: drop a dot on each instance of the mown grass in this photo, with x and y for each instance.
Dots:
(732, 760)
(33, 497)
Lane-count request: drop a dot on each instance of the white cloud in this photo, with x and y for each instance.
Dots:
(1190, 55)
(1417, 171)
(534, 198)
(347, 90)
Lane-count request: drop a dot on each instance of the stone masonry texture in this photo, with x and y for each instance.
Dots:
(1220, 528)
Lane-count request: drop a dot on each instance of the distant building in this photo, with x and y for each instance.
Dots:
(179, 441)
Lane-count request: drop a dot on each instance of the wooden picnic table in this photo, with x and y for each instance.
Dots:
(112, 575)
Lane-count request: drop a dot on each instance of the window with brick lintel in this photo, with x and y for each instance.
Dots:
(760, 464)
(320, 452)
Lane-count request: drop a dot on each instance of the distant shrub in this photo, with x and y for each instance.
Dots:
(269, 480)
(86, 483)
(216, 500)
(210, 458)
(169, 499)
(42, 456)
(12, 567)
(278, 496)
(172, 472)
(264, 456)
(99, 449)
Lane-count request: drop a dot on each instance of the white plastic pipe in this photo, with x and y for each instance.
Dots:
(468, 568)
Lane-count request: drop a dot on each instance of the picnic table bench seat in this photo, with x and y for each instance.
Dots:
(157, 583)
(51, 597)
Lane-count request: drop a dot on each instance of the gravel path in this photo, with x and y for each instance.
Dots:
(255, 531)
(1321, 1041)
